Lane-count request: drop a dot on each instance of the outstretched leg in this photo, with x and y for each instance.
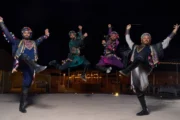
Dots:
(58, 66)
(33, 65)
(131, 67)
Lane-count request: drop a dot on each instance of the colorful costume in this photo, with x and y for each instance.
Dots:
(144, 58)
(25, 54)
(110, 58)
(74, 59)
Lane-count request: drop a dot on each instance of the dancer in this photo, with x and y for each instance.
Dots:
(110, 58)
(144, 58)
(74, 59)
(25, 54)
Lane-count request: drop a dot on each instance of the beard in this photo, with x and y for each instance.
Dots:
(26, 37)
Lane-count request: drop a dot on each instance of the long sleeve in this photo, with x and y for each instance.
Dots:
(166, 41)
(16, 64)
(80, 35)
(7, 34)
(128, 40)
(80, 38)
(41, 39)
(109, 30)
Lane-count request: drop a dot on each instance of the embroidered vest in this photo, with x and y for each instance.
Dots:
(21, 48)
(152, 61)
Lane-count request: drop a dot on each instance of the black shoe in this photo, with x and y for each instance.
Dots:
(22, 108)
(143, 112)
(52, 63)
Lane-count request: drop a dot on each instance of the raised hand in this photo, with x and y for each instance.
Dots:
(109, 26)
(103, 42)
(128, 27)
(1, 19)
(14, 70)
(176, 27)
(47, 32)
(85, 35)
(80, 27)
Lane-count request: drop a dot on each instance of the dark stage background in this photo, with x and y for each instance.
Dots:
(61, 16)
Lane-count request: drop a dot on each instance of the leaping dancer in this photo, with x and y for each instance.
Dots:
(74, 58)
(110, 58)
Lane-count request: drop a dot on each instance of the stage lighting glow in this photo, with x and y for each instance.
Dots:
(116, 94)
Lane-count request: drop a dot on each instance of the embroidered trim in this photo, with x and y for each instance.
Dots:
(140, 48)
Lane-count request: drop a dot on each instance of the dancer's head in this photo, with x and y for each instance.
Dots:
(146, 38)
(26, 33)
(114, 35)
(72, 34)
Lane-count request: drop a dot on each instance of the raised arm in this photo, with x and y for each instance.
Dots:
(166, 41)
(42, 38)
(109, 29)
(6, 33)
(80, 35)
(128, 38)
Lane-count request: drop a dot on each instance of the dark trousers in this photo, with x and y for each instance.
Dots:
(26, 82)
(85, 64)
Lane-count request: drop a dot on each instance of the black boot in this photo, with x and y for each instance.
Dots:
(102, 68)
(55, 64)
(143, 105)
(34, 66)
(22, 106)
(83, 76)
(132, 66)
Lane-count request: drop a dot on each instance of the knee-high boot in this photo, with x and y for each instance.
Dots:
(55, 64)
(83, 76)
(33, 65)
(142, 101)
(132, 66)
(23, 100)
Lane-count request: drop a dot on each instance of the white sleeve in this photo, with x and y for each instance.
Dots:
(129, 41)
(165, 42)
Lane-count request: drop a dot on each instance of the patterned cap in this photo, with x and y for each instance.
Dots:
(145, 34)
(72, 32)
(114, 32)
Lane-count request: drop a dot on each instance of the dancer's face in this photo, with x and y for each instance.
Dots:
(113, 37)
(72, 36)
(146, 40)
(26, 34)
